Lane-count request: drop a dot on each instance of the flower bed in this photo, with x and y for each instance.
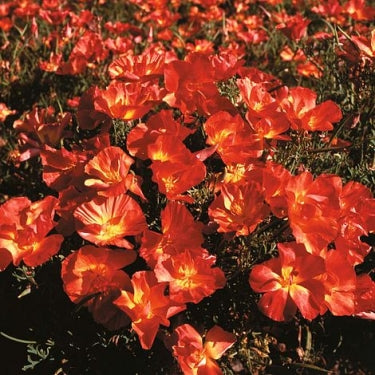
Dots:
(187, 187)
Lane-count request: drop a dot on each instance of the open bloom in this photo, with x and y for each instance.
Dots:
(191, 277)
(340, 283)
(127, 101)
(191, 86)
(179, 231)
(175, 169)
(40, 127)
(144, 67)
(147, 306)
(24, 228)
(303, 113)
(93, 276)
(235, 141)
(143, 135)
(313, 209)
(105, 221)
(196, 358)
(239, 208)
(291, 281)
(109, 173)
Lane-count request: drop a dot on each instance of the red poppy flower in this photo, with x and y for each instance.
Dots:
(40, 127)
(191, 86)
(313, 209)
(144, 135)
(145, 67)
(175, 169)
(358, 10)
(88, 49)
(365, 297)
(294, 27)
(239, 208)
(290, 281)
(303, 113)
(263, 112)
(63, 168)
(190, 275)
(88, 117)
(174, 178)
(24, 228)
(366, 45)
(127, 101)
(275, 178)
(340, 284)
(147, 306)
(179, 231)
(94, 274)
(109, 173)
(105, 221)
(196, 358)
(5, 112)
(355, 205)
(351, 228)
(234, 140)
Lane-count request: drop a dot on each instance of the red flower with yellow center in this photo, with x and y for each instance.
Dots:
(291, 281)
(105, 221)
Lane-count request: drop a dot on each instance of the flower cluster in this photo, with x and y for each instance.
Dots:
(165, 123)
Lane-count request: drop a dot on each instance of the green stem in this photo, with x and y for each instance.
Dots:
(16, 339)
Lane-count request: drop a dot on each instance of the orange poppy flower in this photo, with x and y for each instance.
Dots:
(191, 86)
(239, 208)
(94, 274)
(294, 27)
(5, 112)
(275, 178)
(24, 227)
(190, 275)
(88, 117)
(221, 127)
(127, 101)
(63, 168)
(105, 221)
(175, 169)
(143, 135)
(303, 113)
(352, 228)
(340, 284)
(147, 306)
(358, 10)
(196, 358)
(356, 203)
(290, 281)
(367, 46)
(179, 231)
(145, 67)
(88, 49)
(313, 209)
(263, 112)
(10, 212)
(109, 172)
(40, 127)
(234, 139)
(365, 297)
(174, 178)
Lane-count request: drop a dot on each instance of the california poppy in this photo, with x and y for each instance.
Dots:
(190, 275)
(196, 357)
(93, 276)
(147, 306)
(290, 281)
(105, 221)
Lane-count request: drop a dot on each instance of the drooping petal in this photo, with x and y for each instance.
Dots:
(218, 341)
